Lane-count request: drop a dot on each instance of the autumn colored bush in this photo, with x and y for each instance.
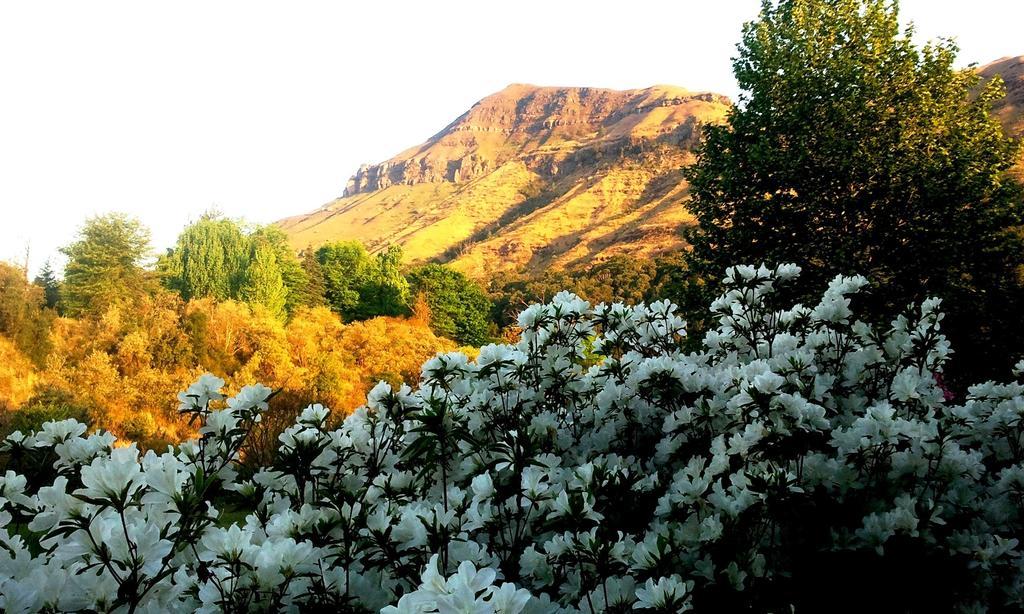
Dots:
(120, 367)
(17, 377)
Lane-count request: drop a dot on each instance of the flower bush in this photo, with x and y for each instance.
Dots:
(802, 460)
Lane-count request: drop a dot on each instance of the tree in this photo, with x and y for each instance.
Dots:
(105, 264)
(459, 309)
(264, 284)
(24, 318)
(346, 267)
(385, 291)
(208, 259)
(47, 280)
(314, 292)
(292, 273)
(852, 150)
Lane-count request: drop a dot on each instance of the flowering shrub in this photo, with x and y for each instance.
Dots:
(803, 458)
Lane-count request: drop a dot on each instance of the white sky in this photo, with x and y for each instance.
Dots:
(264, 109)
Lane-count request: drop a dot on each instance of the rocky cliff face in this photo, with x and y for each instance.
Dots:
(542, 126)
(530, 177)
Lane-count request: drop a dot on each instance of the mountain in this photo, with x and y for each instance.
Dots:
(529, 178)
(1010, 110)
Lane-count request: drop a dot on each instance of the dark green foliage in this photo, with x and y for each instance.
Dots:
(853, 151)
(345, 266)
(385, 291)
(24, 317)
(621, 279)
(459, 308)
(47, 280)
(360, 286)
(314, 292)
(105, 264)
(47, 405)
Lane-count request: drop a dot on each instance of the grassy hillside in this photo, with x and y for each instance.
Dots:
(531, 178)
(1011, 110)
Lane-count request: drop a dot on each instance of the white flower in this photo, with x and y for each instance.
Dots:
(205, 389)
(231, 544)
(118, 477)
(666, 593)
(53, 433)
(314, 414)
(250, 400)
(165, 474)
(483, 487)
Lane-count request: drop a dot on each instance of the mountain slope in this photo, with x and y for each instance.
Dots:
(530, 177)
(1010, 110)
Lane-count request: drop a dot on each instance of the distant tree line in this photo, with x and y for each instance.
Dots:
(224, 259)
(122, 329)
(221, 259)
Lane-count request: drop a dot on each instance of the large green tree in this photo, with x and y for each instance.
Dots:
(105, 264)
(209, 259)
(47, 280)
(346, 268)
(314, 293)
(359, 285)
(853, 150)
(292, 273)
(459, 309)
(385, 291)
(264, 284)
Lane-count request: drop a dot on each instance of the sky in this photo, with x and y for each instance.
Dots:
(261, 110)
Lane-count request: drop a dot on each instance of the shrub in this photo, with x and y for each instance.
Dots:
(49, 405)
(800, 454)
(17, 377)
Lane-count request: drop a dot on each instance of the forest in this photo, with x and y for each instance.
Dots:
(110, 340)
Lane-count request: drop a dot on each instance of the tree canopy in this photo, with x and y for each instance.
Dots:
(851, 149)
(209, 259)
(24, 316)
(216, 257)
(360, 286)
(105, 264)
(264, 284)
(459, 308)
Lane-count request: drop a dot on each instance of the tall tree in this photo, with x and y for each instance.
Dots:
(105, 264)
(24, 318)
(47, 280)
(314, 293)
(852, 150)
(346, 267)
(386, 290)
(208, 259)
(264, 284)
(292, 272)
(459, 309)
